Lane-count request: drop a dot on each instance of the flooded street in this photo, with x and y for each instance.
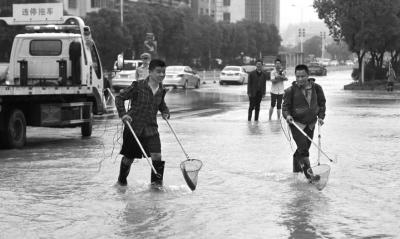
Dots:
(62, 186)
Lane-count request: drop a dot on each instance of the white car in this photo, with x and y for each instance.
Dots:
(126, 76)
(181, 76)
(234, 74)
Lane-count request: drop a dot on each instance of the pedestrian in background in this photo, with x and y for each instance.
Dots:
(391, 79)
(143, 71)
(303, 104)
(147, 98)
(256, 88)
(278, 76)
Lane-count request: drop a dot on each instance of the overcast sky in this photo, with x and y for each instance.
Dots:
(296, 11)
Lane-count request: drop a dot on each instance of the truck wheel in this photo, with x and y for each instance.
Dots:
(15, 133)
(86, 129)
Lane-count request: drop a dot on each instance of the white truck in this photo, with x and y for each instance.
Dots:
(54, 77)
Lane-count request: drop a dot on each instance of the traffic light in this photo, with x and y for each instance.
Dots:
(304, 32)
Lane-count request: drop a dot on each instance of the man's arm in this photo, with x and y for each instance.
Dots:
(249, 83)
(287, 102)
(126, 94)
(163, 108)
(321, 100)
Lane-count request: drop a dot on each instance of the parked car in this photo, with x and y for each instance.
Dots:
(349, 63)
(234, 74)
(181, 76)
(126, 76)
(317, 69)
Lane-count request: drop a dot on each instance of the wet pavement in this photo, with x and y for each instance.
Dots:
(62, 186)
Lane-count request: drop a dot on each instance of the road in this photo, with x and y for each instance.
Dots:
(62, 186)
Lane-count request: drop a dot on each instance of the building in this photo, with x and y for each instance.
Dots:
(82, 7)
(265, 11)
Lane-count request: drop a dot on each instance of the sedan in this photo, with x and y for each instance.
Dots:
(317, 69)
(181, 76)
(126, 76)
(234, 74)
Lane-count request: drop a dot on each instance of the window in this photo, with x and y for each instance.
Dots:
(227, 17)
(72, 4)
(96, 61)
(227, 2)
(45, 47)
(95, 3)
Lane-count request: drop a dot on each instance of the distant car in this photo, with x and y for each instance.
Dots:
(317, 69)
(126, 76)
(333, 63)
(249, 68)
(232, 74)
(349, 63)
(268, 68)
(181, 76)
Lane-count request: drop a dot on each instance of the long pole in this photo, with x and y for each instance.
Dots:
(260, 12)
(121, 2)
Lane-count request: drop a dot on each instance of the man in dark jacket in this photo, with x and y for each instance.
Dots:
(304, 105)
(256, 90)
(147, 98)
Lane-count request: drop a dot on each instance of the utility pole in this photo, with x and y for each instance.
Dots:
(121, 2)
(302, 36)
(323, 38)
(260, 12)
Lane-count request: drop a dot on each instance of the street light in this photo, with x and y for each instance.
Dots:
(122, 12)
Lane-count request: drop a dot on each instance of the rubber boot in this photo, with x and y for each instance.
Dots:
(157, 180)
(257, 112)
(124, 170)
(249, 115)
(308, 171)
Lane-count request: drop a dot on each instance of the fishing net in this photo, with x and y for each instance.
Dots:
(322, 171)
(190, 169)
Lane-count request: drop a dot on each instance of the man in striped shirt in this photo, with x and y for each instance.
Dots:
(147, 98)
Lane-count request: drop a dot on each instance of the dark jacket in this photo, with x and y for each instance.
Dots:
(296, 105)
(144, 106)
(257, 82)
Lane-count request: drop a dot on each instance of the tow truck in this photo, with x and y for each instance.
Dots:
(54, 77)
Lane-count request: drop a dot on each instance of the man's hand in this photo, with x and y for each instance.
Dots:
(320, 121)
(289, 119)
(165, 116)
(126, 118)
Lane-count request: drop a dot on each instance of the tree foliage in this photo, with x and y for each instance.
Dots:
(181, 36)
(367, 26)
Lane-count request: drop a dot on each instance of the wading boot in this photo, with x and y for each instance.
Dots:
(124, 170)
(157, 180)
(257, 112)
(308, 171)
(249, 115)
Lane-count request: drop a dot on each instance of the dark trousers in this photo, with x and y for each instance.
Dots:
(255, 102)
(300, 157)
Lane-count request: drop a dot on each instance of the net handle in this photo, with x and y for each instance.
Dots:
(312, 141)
(177, 139)
(319, 143)
(141, 147)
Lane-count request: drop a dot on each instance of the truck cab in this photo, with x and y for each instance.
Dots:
(54, 78)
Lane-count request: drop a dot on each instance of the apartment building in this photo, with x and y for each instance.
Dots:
(265, 11)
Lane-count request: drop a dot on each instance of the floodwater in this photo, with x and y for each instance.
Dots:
(62, 186)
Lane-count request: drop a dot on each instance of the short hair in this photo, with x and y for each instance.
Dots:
(156, 63)
(302, 67)
(259, 60)
(277, 59)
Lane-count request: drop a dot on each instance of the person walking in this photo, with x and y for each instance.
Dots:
(304, 105)
(391, 79)
(256, 88)
(278, 76)
(143, 71)
(147, 98)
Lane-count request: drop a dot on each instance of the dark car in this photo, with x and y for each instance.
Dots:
(317, 69)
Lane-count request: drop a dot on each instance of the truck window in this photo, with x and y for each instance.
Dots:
(45, 47)
(96, 60)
